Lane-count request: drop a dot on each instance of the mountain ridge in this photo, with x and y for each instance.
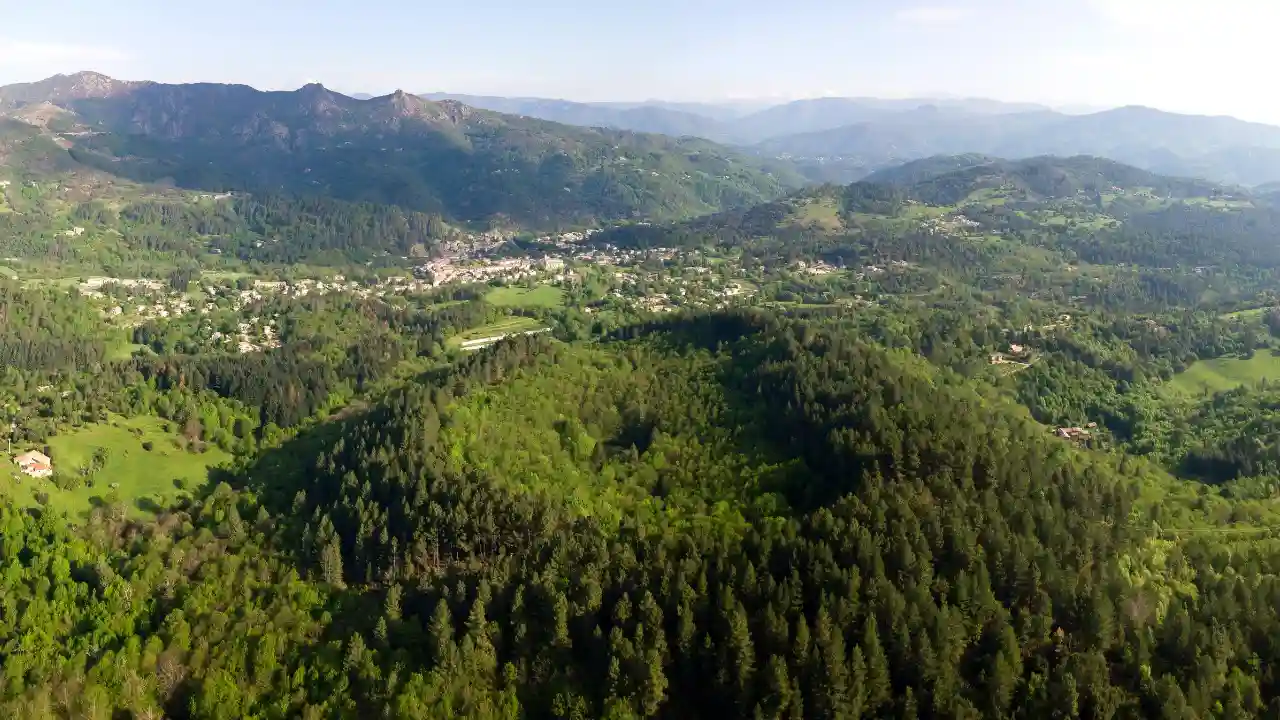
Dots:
(443, 157)
(640, 117)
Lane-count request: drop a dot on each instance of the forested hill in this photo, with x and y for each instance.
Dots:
(795, 525)
(946, 180)
(917, 171)
(439, 157)
(1011, 194)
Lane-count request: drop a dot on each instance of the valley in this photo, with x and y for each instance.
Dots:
(400, 408)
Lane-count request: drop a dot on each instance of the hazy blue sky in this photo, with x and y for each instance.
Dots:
(1184, 55)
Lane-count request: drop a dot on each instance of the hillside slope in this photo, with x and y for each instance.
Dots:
(1080, 230)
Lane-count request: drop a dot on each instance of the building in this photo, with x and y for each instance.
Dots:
(35, 464)
(1072, 433)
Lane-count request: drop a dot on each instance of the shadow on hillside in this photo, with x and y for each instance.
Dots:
(695, 331)
(276, 476)
(278, 473)
(149, 505)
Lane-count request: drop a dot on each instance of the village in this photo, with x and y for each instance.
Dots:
(474, 261)
(235, 315)
(600, 276)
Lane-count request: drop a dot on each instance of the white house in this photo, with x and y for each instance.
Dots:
(35, 464)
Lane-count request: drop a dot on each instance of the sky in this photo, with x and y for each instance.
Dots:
(1191, 56)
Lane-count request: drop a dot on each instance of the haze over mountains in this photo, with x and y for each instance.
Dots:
(737, 122)
(845, 138)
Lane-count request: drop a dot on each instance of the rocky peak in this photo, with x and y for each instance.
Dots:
(403, 104)
(319, 99)
(90, 82)
(87, 84)
(404, 99)
(455, 111)
(63, 88)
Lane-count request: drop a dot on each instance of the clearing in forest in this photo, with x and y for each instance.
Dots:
(113, 453)
(505, 326)
(1250, 314)
(1227, 373)
(818, 214)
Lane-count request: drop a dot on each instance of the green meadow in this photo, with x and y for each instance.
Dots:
(142, 479)
(1227, 373)
(545, 296)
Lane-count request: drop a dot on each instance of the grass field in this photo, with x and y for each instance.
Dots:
(822, 214)
(145, 478)
(1246, 314)
(224, 275)
(1220, 203)
(122, 350)
(501, 327)
(1094, 222)
(987, 196)
(1227, 373)
(542, 296)
(65, 283)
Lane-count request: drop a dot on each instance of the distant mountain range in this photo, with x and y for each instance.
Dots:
(1222, 149)
(464, 163)
(662, 119)
(842, 139)
(743, 123)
